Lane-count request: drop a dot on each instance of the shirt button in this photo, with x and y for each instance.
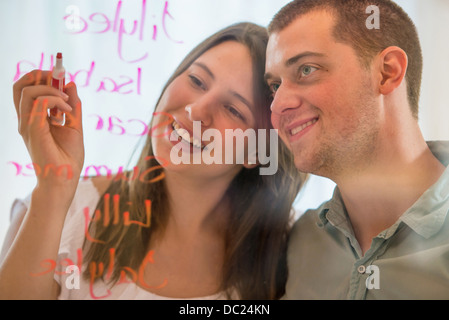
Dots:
(361, 269)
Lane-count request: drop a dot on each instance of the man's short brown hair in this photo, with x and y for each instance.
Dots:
(396, 29)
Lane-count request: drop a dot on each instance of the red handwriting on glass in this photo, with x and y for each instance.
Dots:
(117, 126)
(99, 23)
(114, 216)
(37, 171)
(50, 264)
(33, 169)
(97, 271)
(123, 84)
(40, 113)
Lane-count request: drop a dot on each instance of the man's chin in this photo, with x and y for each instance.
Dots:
(308, 163)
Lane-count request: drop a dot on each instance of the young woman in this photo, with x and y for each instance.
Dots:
(162, 230)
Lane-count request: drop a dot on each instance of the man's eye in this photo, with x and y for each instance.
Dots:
(274, 87)
(307, 70)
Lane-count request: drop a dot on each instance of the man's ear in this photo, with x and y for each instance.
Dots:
(393, 63)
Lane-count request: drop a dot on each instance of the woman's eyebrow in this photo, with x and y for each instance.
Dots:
(205, 68)
(242, 99)
(233, 93)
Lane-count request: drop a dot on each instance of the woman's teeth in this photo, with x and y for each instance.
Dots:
(184, 135)
(302, 127)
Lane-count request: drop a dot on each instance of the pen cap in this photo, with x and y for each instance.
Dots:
(58, 70)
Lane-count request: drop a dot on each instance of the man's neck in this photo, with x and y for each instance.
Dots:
(378, 195)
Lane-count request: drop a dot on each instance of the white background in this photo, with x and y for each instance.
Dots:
(32, 31)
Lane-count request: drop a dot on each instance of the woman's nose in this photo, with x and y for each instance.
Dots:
(199, 111)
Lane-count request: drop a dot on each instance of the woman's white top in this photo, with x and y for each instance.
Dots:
(72, 239)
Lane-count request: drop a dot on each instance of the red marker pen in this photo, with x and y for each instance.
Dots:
(58, 81)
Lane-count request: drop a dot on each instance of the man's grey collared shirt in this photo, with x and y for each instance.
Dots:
(409, 260)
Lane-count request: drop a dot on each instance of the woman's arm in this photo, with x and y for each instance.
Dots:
(37, 240)
(15, 223)
(59, 153)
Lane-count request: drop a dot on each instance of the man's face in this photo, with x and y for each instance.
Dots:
(324, 105)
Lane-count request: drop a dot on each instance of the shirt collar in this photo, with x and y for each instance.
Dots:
(334, 211)
(440, 150)
(425, 217)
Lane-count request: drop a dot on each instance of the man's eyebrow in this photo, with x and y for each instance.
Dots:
(205, 68)
(302, 55)
(267, 76)
(295, 59)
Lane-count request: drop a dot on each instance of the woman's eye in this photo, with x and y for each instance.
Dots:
(197, 82)
(234, 112)
(307, 70)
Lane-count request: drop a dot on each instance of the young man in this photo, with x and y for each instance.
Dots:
(345, 100)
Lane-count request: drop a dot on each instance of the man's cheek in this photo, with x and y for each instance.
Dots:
(275, 120)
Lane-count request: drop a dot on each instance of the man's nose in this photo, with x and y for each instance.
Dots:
(286, 99)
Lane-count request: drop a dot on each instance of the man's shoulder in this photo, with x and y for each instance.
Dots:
(440, 150)
(312, 215)
(308, 223)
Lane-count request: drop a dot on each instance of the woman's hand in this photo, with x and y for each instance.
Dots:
(58, 155)
(57, 151)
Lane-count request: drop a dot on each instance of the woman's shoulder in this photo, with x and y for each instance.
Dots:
(80, 213)
(88, 190)
(88, 194)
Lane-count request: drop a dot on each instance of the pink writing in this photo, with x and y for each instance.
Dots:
(123, 84)
(100, 23)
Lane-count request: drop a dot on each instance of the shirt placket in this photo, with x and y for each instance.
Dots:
(358, 287)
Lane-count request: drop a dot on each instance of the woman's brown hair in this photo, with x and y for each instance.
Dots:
(260, 205)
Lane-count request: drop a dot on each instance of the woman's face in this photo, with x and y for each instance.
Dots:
(216, 92)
